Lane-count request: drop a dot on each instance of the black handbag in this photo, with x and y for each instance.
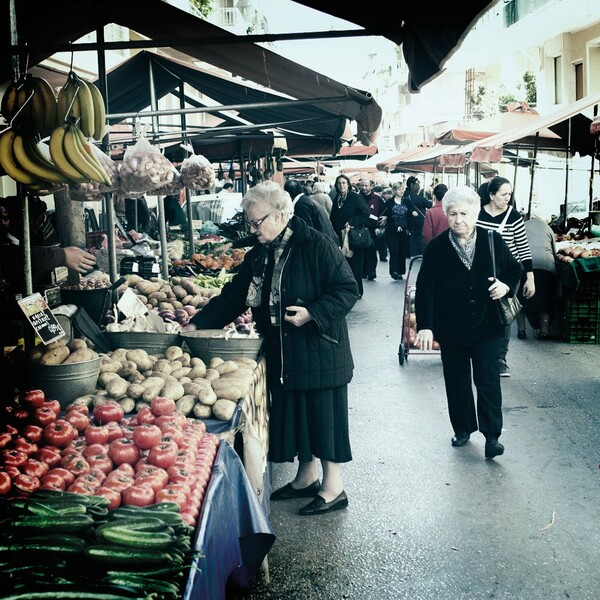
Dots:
(509, 306)
(360, 238)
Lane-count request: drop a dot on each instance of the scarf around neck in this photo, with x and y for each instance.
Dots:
(466, 251)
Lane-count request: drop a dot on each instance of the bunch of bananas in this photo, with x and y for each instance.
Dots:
(30, 103)
(78, 99)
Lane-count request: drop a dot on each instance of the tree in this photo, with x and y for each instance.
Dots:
(204, 7)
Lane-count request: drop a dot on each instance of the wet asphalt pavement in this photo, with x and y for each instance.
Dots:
(427, 521)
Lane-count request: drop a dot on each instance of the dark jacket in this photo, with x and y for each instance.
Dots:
(316, 275)
(392, 223)
(420, 205)
(312, 214)
(375, 204)
(453, 301)
(354, 211)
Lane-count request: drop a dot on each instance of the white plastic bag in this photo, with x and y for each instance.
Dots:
(197, 173)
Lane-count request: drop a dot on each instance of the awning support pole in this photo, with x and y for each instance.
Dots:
(591, 184)
(567, 164)
(532, 171)
(188, 196)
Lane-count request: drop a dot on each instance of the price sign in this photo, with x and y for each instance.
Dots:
(41, 318)
(131, 305)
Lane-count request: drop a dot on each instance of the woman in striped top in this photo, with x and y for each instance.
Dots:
(499, 215)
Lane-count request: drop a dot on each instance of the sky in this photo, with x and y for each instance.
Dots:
(344, 59)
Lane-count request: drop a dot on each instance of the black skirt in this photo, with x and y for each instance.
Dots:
(308, 423)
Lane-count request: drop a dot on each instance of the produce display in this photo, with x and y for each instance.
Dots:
(93, 500)
(62, 352)
(133, 378)
(569, 253)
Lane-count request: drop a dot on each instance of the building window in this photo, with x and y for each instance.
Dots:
(557, 80)
(578, 81)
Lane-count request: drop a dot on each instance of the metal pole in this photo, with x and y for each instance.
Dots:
(567, 161)
(188, 196)
(532, 170)
(591, 184)
(162, 227)
(513, 201)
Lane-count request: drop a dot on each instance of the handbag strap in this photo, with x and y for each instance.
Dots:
(504, 221)
(492, 251)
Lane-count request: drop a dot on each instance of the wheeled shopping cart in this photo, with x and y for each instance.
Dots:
(409, 318)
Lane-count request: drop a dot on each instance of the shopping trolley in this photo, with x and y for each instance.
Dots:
(409, 318)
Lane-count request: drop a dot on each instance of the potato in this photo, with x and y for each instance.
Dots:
(229, 392)
(141, 359)
(81, 355)
(127, 404)
(223, 409)
(179, 373)
(173, 390)
(173, 352)
(195, 361)
(77, 344)
(105, 377)
(135, 391)
(58, 343)
(151, 391)
(117, 387)
(227, 366)
(192, 389)
(157, 297)
(100, 400)
(202, 411)
(127, 368)
(185, 404)
(205, 383)
(211, 374)
(197, 371)
(147, 287)
(83, 400)
(185, 359)
(214, 361)
(141, 404)
(180, 292)
(152, 381)
(245, 361)
(136, 377)
(162, 366)
(55, 356)
(132, 280)
(120, 354)
(183, 380)
(175, 364)
(109, 365)
(36, 354)
(207, 397)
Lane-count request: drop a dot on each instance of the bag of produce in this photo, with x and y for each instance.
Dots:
(171, 189)
(144, 169)
(197, 173)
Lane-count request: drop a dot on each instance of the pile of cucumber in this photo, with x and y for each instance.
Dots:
(65, 545)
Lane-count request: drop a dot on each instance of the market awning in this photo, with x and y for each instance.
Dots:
(415, 158)
(66, 21)
(429, 31)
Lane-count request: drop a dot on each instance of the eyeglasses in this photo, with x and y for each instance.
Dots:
(258, 222)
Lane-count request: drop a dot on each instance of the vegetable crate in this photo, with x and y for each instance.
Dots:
(581, 314)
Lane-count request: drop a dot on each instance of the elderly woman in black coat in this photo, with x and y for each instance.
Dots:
(300, 289)
(457, 303)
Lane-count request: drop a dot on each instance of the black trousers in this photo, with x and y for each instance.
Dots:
(370, 265)
(464, 366)
(356, 263)
(397, 243)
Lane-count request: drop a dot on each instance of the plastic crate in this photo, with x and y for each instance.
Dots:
(581, 321)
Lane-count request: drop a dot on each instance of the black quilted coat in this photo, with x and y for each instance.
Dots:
(316, 275)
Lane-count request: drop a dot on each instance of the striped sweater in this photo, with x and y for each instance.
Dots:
(514, 234)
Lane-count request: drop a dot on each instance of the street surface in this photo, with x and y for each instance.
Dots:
(427, 521)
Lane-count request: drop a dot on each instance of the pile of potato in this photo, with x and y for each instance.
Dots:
(62, 352)
(134, 377)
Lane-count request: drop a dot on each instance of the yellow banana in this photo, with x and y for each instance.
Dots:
(76, 154)
(59, 158)
(8, 162)
(9, 105)
(99, 112)
(28, 160)
(86, 105)
(36, 110)
(68, 102)
(48, 96)
(88, 151)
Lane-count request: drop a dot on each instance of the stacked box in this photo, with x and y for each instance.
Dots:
(581, 317)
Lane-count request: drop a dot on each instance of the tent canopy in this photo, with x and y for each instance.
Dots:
(66, 21)
(429, 31)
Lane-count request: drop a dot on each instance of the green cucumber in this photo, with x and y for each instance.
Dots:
(66, 524)
(140, 524)
(113, 554)
(146, 584)
(124, 536)
(128, 512)
(72, 497)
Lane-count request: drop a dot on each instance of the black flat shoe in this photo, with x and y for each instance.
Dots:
(318, 506)
(287, 492)
(522, 334)
(493, 448)
(461, 438)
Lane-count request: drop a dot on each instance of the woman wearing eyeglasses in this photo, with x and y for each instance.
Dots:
(300, 289)
(350, 208)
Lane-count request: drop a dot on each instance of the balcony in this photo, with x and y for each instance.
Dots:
(515, 10)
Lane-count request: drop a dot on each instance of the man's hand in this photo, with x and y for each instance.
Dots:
(79, 260)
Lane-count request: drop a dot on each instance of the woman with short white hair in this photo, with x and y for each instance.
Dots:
(456, 303)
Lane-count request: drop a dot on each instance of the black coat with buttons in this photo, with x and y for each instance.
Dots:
(315, 275)
(453, 301)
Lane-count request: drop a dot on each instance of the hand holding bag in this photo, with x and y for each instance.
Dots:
(360, 238)
(346, 250)
(509, 306)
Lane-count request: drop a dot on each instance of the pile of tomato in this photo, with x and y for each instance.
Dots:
(156, 455)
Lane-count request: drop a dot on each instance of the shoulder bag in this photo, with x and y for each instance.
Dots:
(360, 238)
(509, 305)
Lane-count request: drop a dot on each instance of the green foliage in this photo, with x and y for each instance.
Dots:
(204, 7)
(530, 88)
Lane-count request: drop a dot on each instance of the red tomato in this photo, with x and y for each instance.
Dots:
(95, 449)
(33, 433)
(11, 470)
(179, 474)
(97, 473)
(59, 433)
(82, 487)
(20, 417)
(54, 405)
(25, 483)
(137, 495)
(127, 468)
(34, 398)
(67, 454)
(101, 462)
(119, 480)
(87, 479)
(167, 421)
(127, 431)
(49, 455)
(112, 495)
(5, 439)
(151, 481)
(8, 428)
(122, 451)
(161, 405)
(64, 474)
(181, 486)
(13, 458)
(147, 435)
(142, 464)
(173, 434)
(80, 421)
(25, 446)
(95, 434)
(52, 483)
(114, 431)
(43, 415)
(78, 444)
(77, 465)
(84, 410)
(35, 468)
(152, 471)
(5, 483)
(145, 415)
(107, 412)
(172, 496)
(189, 518)
(163, 455)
